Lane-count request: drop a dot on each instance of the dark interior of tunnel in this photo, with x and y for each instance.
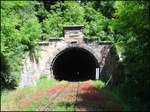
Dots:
(74, 64)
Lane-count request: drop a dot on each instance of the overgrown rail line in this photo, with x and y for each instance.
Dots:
(71, 88)
(77, 93)
(51, 99)
(72, 96)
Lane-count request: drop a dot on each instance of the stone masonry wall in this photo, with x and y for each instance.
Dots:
(33, 70)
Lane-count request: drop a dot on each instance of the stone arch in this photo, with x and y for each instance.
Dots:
(83, 49)
(83, 46)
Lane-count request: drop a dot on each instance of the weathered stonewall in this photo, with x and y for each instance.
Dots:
(73, 37)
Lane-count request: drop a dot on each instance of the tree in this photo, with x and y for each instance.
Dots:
(20, 31)
(131, 24)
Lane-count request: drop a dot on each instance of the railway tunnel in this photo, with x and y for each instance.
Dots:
(80, 60)
(74, 64)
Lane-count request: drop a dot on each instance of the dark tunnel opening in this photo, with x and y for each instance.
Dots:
(74, 64)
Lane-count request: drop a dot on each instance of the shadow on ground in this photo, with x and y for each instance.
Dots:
(92, 99)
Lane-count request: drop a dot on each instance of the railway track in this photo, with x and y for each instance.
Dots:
(68, 93)
(77, 96)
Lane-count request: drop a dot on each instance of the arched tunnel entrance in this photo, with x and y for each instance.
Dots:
(74, 64)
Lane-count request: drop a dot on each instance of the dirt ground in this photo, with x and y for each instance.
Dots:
(83, 95)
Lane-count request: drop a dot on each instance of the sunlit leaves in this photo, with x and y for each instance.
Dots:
(131, 23)
(67, 13)
(20, 30)
(73, 12)
(30, 32)
(52, 26)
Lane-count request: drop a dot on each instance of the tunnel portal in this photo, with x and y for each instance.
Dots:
(74, 64)
(71, 57)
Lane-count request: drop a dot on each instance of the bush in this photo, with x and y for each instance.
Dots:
(20, 31)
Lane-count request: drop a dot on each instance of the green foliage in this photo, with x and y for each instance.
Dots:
(98, 83)
(52, 26)
(73, 13)
(11, 99)
(131, 23)
(96, 23)
(67, 13)
(31, 33)
(125, 23)
(20, 31)
(105, 7)
(63, 106)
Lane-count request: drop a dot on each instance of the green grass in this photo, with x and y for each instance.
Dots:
(126, 102)
(114, 92)
(10, 99)
(122, 99)
(53, 106)
(36, 104)
(98, 83)
(63, 106)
